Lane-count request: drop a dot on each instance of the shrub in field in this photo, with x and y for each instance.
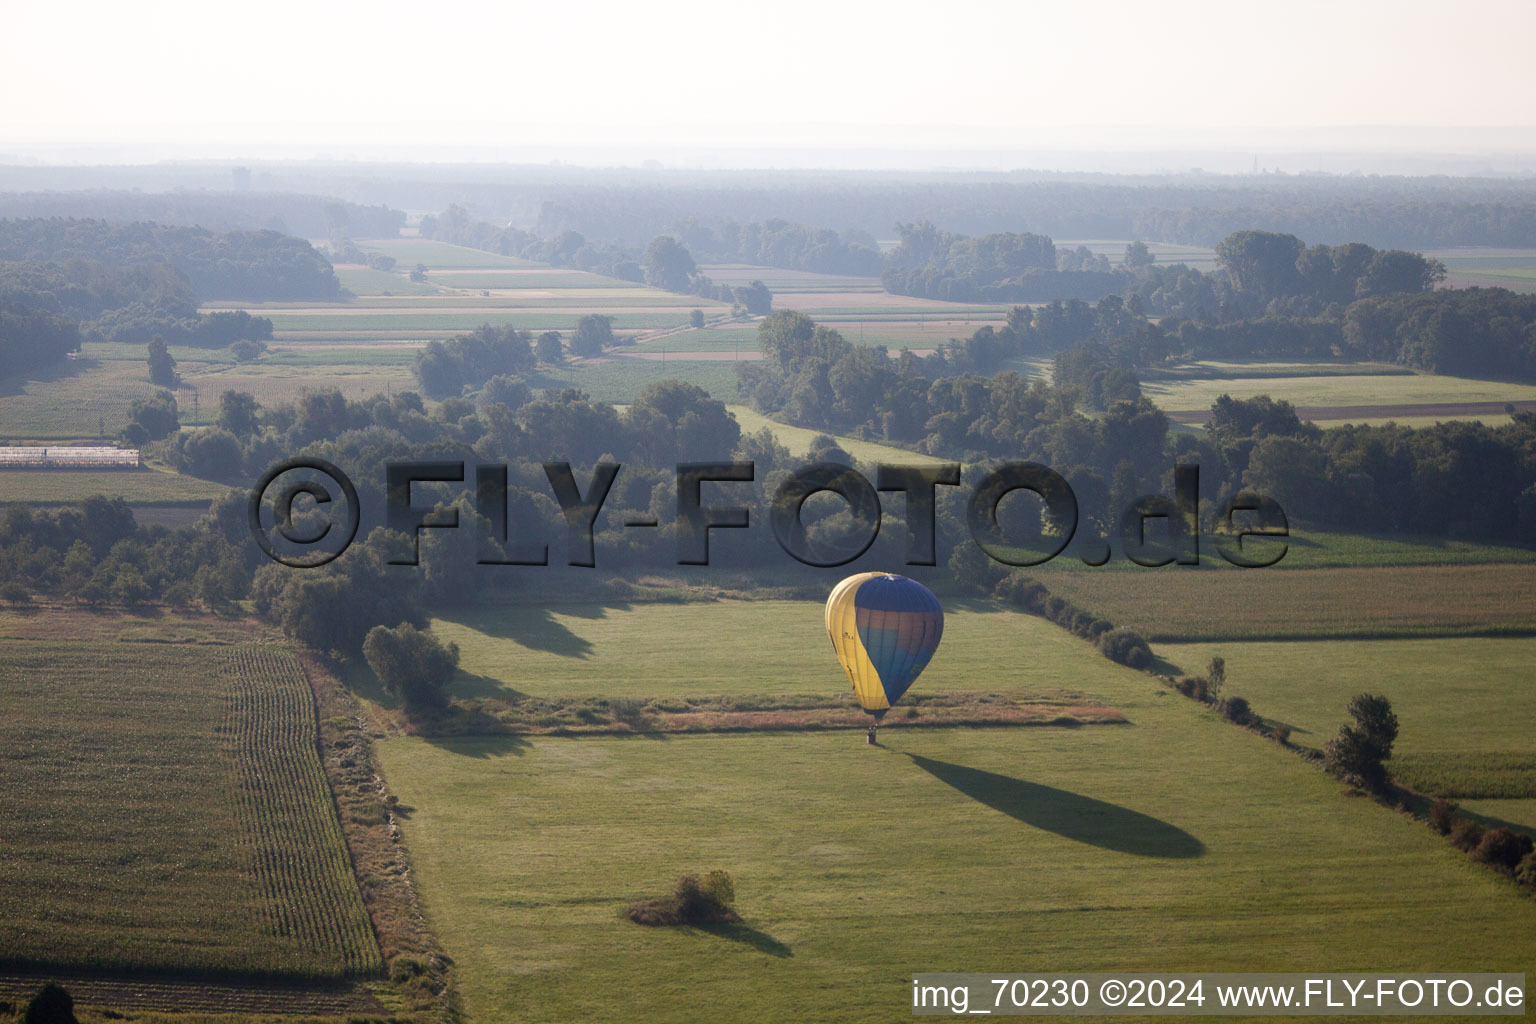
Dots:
(1192, 686)
(51, 1005)
(1126, 647)
(1442, 816)
(1237, 710)
(1466, 836)
(1216, 677)
(1020, 591)
(411, 662)
(1282, 734)
(1357, 753)
(1525, 871)
(693, 901)
(1502, 848)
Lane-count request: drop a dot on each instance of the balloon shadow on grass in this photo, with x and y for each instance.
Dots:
(1069, 815)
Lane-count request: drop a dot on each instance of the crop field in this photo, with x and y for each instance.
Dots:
(137, 487)
(275, 383)
(77, 399)
(1331, 390)
(200, 834)
(1179, 603)
(1480, 267)
(943, 848)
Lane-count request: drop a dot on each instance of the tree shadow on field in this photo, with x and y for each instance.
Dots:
(748, 936)
(1069, 815)
(528, 626)
(16, 383)
(482, 748)
(468, 684)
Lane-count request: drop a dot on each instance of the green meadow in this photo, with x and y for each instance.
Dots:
(1175, 842)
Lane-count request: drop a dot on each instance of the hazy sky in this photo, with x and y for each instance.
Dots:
(725, 73)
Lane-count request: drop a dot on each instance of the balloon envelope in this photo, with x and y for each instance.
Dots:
(885, 628)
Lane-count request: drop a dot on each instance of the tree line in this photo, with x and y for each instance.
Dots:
(250, 265)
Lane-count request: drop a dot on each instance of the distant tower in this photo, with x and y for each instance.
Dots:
(240, 178)
(1255, 165)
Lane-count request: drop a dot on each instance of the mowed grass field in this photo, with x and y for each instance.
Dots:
(798, 441)
(1464, 706)
(1175, 842)
(165, 809)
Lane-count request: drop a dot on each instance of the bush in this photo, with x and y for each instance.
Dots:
(1191, 686)
(1357, 753)
(1502, 848)
(1126, 648)
(1020, 591)
(411, 662)
(1442, 816)
(1237, 710)
(1282, 734)
(51, 1005)
(12, 592)
(694, 901)
(1466, 836)
(1525, 871)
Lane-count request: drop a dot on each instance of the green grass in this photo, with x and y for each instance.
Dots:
(583, 650)
(274, 383)
(115, 350)
(1343, 390)
(429, 320)
(550, 278)
(137, 487)
(439, 255)
(1464, 705)
(367, 281)
(798, 441)
(621, 380)
(1177, 842)
(1485, 267)
(165, 810)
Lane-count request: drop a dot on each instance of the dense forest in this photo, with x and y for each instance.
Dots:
(256, 266)
(303, 216)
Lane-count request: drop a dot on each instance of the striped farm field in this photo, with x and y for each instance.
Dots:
(439, 255)
(275, 383)
(137, 487)
(199, 837)
(1339, 390)
(1176, 603)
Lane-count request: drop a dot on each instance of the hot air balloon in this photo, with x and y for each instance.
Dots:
(884, 628)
